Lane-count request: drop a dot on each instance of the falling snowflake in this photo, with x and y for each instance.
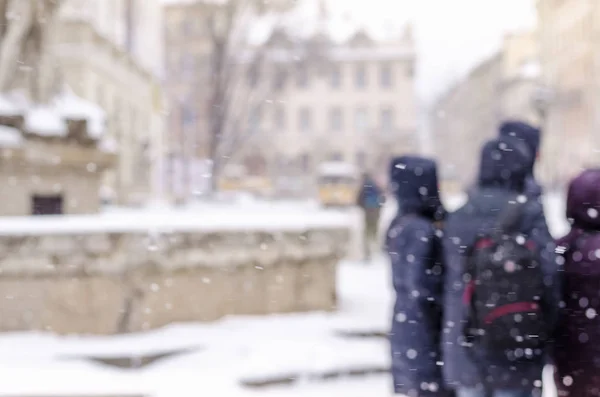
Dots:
(401, 317)
(591, 313)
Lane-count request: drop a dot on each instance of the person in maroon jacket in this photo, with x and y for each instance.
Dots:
(577, 348)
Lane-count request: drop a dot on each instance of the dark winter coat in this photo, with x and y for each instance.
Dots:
(578, 335)
(531, 136)
(503, 169)
(369, 196)
(415, 253)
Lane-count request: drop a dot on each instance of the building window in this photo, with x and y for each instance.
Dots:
(360, 76)
(335, 119)
(360, 120)
(279, 118)
(279, 79)
(387, 120)
(304, 120)
(255, 165)
(386, 76)
(188, 116)
(47, 205)
(187, 64)
(336, 156)
(187, 27)
(302, 77)
(336, 77)
(305, 162)
(252, 76)
(254, 118)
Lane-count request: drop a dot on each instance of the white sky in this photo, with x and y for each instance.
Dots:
(451, 36)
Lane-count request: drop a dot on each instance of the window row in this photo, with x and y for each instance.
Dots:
(336, 120)
(336, 76)
(305, 161)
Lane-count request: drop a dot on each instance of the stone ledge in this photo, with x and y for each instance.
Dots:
(125, 282)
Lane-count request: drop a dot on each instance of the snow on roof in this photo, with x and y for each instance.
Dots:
(45, 121)
(70, 106)
(10, 137)
(337, 168)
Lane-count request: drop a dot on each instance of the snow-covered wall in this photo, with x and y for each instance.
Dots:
(119, 281)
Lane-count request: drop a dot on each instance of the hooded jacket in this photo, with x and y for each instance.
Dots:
(531, 137)
(504, 166)
(577, 350)
(417, 270)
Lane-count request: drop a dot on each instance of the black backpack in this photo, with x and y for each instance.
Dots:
(504, 293)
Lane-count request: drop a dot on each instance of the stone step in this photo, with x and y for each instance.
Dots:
(291, 379)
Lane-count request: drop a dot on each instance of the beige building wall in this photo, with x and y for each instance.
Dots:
(569, 54)
(319, 112)
(465, 118)
(110, 55)
(500, 88)
(372, 117)
(520, 77)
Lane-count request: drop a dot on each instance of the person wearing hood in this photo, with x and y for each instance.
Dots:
(473, 364)
(414, 248)
(370, 200)
(577, 352)
(531, 137)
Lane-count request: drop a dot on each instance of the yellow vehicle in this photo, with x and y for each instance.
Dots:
(338, 184)
(236, 180)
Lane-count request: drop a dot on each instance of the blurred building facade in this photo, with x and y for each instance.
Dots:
(110, 52)
(568, 39)
(187, 55)
(314, 100)
(354, 102)
(501, 87)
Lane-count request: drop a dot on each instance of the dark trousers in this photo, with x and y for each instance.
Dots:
(371, 221)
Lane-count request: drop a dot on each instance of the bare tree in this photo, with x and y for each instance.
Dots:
(26, 29)
(231, 97)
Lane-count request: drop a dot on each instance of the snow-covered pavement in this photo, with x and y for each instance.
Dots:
(219, 357)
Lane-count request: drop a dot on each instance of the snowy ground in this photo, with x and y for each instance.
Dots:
(222, 355)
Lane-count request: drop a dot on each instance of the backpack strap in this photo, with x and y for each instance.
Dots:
(509, 221)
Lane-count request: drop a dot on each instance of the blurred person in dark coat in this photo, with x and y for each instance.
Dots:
(577, 351)
(530, 136)
(370, 199)
(414, 246)
(477, 370)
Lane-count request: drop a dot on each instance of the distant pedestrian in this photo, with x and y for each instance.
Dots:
(531, 136)
(414, 246)
(577, 352)
(501, 282)
(370, 199)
